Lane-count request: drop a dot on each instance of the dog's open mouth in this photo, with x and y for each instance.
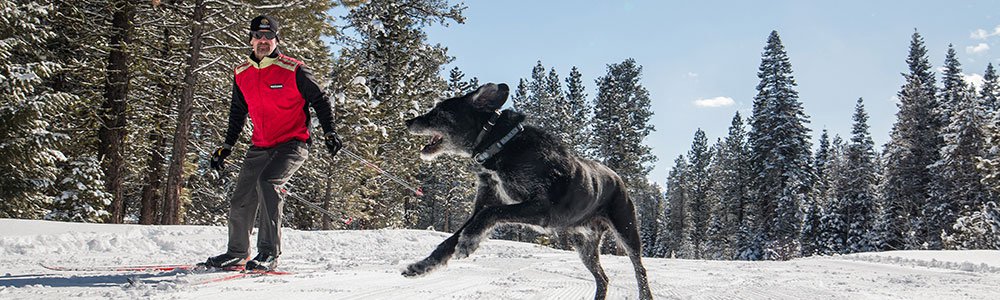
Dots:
(433, 145)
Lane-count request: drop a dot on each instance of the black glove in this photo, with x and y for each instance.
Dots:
(333, 143)
(219, 155)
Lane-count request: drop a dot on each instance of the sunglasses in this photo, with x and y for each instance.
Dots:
(269, 35)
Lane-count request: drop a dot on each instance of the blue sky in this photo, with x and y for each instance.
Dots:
(710, 50)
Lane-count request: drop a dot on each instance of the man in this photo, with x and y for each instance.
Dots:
(276, 91)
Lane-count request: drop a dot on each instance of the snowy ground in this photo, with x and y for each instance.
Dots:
(366, 265)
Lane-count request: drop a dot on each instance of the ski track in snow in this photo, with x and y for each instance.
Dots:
(367, 265)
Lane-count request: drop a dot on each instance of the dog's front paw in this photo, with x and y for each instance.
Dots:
(420, 268)
(466, 245)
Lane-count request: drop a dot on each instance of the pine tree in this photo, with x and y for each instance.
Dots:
(730, 173)
(780, 153)
(963, 191)
(621, 122)
(390, 55)
(82, 198)
(80, 190)
(28, 96)
(941, 208)
(672, 237)
(976, 229)
(861, 182)
(822, 156)
(520, 97)
(813, 208)
(697, 206)
(649, 210)
(913, 146)
(556, 113)
(578, 114)
(953, 87)
(990, 91)
(834, 220)
(536, 99)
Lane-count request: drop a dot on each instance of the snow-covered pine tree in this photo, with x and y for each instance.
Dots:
(80, 189)
(990, 91)
(780, 152)
(400, 69)
(981, 229)
(730, 177)
(649, 212)
(671, 237)
(82, 198)
(533, 102)
(822, 157)
(813, 209)
(834, 219)
(621, 122)
(989, 163)
(964, 191)
(953, 87)
(939, 210)
(578, 114)
(913, 146)
(697, 206)
(978, 228)
(519, 100)
(716, 241)
(29, 97)
(556, 113)
(859, 191)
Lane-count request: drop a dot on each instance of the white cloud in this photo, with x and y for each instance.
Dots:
(974, 79)
(981, 48)
(982, 34)
(979, 34)
(715, 102)
(691, 75)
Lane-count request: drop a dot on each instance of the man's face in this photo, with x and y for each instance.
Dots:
(263, 42)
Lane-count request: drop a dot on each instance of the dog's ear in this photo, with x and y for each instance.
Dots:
(489, 97)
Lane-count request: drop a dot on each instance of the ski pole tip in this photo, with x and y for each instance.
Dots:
(420, 192)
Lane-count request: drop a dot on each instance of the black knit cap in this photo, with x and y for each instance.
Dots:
(264, 22)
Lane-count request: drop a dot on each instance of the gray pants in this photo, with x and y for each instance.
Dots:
(263, 169)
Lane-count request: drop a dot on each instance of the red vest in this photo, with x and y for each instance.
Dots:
(275, 106)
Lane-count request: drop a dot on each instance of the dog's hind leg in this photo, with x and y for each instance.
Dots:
(532, 213)
(588, 246)
(624, 225)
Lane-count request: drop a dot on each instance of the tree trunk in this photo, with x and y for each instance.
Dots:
(172, 202)
(112, 132)
(327, 221)
(154, 179)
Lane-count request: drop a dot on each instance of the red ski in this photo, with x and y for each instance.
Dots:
(136, 268)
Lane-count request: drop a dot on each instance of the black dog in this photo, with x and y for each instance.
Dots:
(527, 177)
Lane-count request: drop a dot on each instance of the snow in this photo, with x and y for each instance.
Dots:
(367, 264)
